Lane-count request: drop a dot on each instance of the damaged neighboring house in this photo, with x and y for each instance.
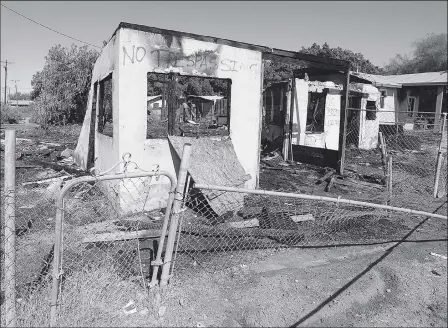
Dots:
(363, 121)
(309, 108)
(411, 101)
(215, 107)
(116, 119)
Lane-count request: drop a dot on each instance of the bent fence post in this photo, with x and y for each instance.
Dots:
(177, 203)
(321, 198)
(10, 228)
(158, 261)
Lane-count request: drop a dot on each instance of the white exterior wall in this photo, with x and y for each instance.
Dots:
(368, 129)
(387, 115)
(106, 148)
(141, 52)
(242, 66)
(300, 112)
(328, 139)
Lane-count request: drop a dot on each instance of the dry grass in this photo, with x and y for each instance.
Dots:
(90, 298)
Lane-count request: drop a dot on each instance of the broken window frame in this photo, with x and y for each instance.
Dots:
(105, 116)
(310, 127)
(170, 80)
(91, 148)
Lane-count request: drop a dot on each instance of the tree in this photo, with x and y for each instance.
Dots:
(61, 89)
(187, 85)
(429, 55)
(357, 60)
(277, 71)
(20, 96)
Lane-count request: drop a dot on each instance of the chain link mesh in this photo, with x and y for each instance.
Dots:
(35, 194)
(262, 223)
(99, 275)
(413, 144)
(110, 237)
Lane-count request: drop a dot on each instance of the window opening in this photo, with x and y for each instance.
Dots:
(187, 106)
(105, 110)
(371, 110)
(315, 119)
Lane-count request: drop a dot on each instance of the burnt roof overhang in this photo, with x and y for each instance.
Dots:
(277, 55)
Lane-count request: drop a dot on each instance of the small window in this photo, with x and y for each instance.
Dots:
(315, 119)
(105, 112)
(371, 111)
(382, 99)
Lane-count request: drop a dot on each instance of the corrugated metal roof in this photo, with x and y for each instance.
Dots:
(153, 97)
(428, 78)
(210, 98)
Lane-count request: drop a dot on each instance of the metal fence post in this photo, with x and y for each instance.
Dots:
(439, 158)
(177, 203)
(10, 228)
(57, 259)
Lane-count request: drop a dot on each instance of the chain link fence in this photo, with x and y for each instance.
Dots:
(32, 237)
(413, 144)
(110, 235)
(256, 222)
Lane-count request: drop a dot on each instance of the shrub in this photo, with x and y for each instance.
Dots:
(9, 115)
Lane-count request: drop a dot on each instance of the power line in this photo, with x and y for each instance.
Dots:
(49, 27)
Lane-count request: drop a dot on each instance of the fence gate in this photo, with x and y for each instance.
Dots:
(108, 244)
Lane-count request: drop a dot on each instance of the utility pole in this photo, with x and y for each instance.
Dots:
(6, 75)
(17, 100)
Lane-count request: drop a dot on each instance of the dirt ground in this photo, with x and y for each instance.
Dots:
(382, 285)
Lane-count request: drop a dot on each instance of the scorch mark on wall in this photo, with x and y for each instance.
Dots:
(203, 61)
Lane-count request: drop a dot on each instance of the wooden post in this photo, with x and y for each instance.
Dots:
(272, 105)
(343, 128)
(389, 178)
(443, 139)
(291, 118)
(282, 93)
(286, 127)
(437, 176)
(439, 102)
(177, 204)
(10, 228)
(383, 150)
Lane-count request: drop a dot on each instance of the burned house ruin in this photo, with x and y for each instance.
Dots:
(141, 66)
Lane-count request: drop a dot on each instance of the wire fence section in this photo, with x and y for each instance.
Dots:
(31, 239)
(109, 237)
(257, 221)
(414, 143)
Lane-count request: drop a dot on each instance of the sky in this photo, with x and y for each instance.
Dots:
(377, 29)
